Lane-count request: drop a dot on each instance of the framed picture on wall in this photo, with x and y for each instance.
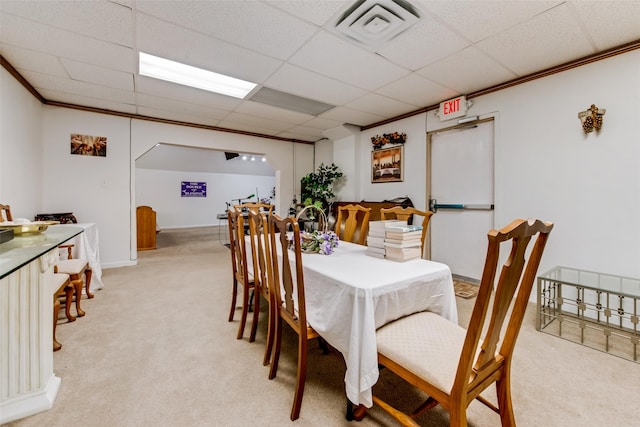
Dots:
(88, 145)
(387, 165)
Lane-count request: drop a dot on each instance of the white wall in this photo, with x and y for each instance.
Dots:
(20, 148)
(546, 167)
(160, 189)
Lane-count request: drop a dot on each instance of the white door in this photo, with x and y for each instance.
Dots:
(460, 191)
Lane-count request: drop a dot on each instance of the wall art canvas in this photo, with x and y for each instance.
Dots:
(387, 165)
(87, 145)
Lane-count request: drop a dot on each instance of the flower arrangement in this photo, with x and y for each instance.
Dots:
(388, 138)
(322, 242)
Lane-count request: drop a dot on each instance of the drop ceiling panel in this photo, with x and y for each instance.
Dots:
(98, 75)
(315, 12)
(258, 109)
(378, 104)
(114, 26)
(478, 20)
(599, 19)
(38, 37)
(87, 101)
(308, 84)
(348, 115)
(33, 61)
(171, 105)
(72, 87)
(253, 25)
(422, 44)
(334, 57)
(259, 122)
(179, 44)
(160, 88)
(556, 29)
(178, 116)
(467, 71)
(417, 90)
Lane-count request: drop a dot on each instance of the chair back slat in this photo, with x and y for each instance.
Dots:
(288, 271)
(237, 245)
(352, 223)
(506, 305)
(5, 213)
(260, 235)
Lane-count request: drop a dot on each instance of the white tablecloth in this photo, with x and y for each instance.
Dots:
(86, 246)
(349, 295)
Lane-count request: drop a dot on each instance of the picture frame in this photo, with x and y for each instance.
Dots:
(387, 164)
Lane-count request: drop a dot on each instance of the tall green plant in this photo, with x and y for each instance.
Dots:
(317, 187)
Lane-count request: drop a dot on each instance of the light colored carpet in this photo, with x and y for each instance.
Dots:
(155, 349)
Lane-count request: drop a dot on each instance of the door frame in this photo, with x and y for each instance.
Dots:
(429, 142)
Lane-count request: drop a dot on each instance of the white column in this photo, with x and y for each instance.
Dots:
(27, 382)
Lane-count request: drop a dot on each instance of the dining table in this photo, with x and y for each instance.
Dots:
(350, 294)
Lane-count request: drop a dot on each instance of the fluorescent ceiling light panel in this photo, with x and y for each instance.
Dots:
(175, 72)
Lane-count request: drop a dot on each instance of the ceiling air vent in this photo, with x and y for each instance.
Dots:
(373, 22)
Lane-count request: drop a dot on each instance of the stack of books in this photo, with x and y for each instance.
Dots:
(376, 236)
(402, 243)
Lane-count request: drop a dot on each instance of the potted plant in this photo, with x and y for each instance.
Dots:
(317, 187)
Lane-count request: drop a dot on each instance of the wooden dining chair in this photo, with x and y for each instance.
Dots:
(62, 285)
(453, 366)
(5, 213)
(404, 214)
(289, 300)
(260, 233)
(239, 267)
(352, 223)
(80, 274)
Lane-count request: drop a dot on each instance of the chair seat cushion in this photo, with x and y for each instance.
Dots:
(71, 266)
(59, 279)
(426, 344)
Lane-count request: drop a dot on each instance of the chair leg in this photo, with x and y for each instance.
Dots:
(270, 332)
(245, 311)
(300, 378)
(458, 415)
(88, 274)
(56, 310)
(256, 314)
(505, 406)
(68, 291)
(233, 299)
(77, 284)
(276, 346)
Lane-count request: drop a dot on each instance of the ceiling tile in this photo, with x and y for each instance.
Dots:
(250, 24)
(269, 112)
(555, 27)
(308, 84)
(357, 66)
(478, 20)
(20, 32)
(417, 90)
(166, 104)
(192, 48)
(424, 43)
(177, 116)
(610, 24)
(350, 116)
(114, 26)
(467, 71)
(258, 121)
(381, 105)
(88, 101)
(33, 61)
(46, 81)
(98, 75)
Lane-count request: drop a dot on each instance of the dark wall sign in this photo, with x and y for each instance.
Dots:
(193, 189)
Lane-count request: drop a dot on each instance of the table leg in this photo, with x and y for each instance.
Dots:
(356, 413)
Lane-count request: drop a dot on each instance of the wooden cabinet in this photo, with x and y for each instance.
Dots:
(147, 228)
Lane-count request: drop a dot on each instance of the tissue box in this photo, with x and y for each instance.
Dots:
(6, 235)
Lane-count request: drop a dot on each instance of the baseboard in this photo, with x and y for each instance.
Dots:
(29, 404)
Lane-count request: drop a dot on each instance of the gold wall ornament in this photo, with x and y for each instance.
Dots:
(591, 118)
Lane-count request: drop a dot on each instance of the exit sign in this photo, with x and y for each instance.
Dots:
(453, 108)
